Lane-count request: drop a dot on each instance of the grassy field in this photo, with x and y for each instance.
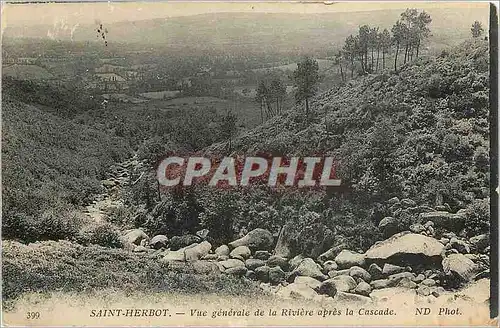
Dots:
(26, 72)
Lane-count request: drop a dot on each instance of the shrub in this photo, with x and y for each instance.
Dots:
(478, 217)
(102, 234)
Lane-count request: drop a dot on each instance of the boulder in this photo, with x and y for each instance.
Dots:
(480, 242)
(253, 264)
(295, 261)
(375, 271)
(236, 271)
(392, 269)
(297, 291)
(134, 236)
(197, 252)
(335, 273)
(204, 267)
(262, 273)
(407, 249)
(229, 264)
(380, 283)
(276, 275)
(250, 275)
(363, 288)
(329, 266)
(349, 298)
(388, 226)
(347, 259)
(428, 282)
(159, 241)
(222, 250)
(445, 220)
(311, 282)
(212, 257)
(341, 283)
(394, 279)
(419, 278)
(140, 249)
(174, 256)
(178, 242)
(359, 272)
(258, 239)
(202, 234)
(407, 283)
(241, 253)
(459, 266)
(331, 253)
(262, 255)
(279, 261)
(308, 268)
(423, 290)
(283, 246)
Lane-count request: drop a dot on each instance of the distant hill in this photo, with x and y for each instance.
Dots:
(261, 31)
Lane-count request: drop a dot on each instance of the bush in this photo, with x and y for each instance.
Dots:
(103, 235)
(478, 217)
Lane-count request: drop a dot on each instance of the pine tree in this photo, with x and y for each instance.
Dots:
(477, 29)
(306, 78)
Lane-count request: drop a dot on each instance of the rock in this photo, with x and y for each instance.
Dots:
(250, 275)
(445, 220)
(108, 183)
(460, 266)
(329, 266)
(262, 255)
(283, 246)
(359, 272)
(210, 257)
(159, 241)
(315, 239)
(393, 201)
(375, 271)
(480, 242)
(396, 278)
(380, 283)
(229, 264)
(308, 268)
(423, 290)
(444, 241)
(262, 273)
(276, 275)
(278, 261)
(392, 269)
(178, 242)
(388, 226)
(197, 252)
(407, 283)
(253, 264)
(349, 298)
(236, 271)
(331, 253)
(460, 245)
(363, 288)
(407, 248)
(241, 253)
(222, 257)
(140, 249)
(258, 239)
(295, 261)
(134, 236)
(408, 203)
(419, 278)
(222, 250)
(438, 292)
(417, 228)
(347, 259)
(429, 282)
(341, 283)
(297, 291)
(202, 234)
(311, 282)
(174, 256)
(335, 273)
(328, 287)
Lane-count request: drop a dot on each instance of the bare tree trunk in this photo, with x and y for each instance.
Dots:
(406, 53)
(307, 107)
(383, 59)
(396, 58)
(341, 72)
(378, 57)
(418, 47)
(352, 67)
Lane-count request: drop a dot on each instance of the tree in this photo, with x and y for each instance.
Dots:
(408, 19)
(228, 127)
(477, 29)
(338, 60)
(349, 50)
(306, 77)
(398, 35)
(260, 97)
(373, 44)
(363, 42)
(385, 44)
(278, 93)
(422, 29)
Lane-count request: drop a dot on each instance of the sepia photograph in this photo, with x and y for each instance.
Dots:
(194, 163)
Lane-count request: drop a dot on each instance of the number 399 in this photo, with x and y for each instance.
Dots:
(33, 315)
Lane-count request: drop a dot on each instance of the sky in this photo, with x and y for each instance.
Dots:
(82, 13)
